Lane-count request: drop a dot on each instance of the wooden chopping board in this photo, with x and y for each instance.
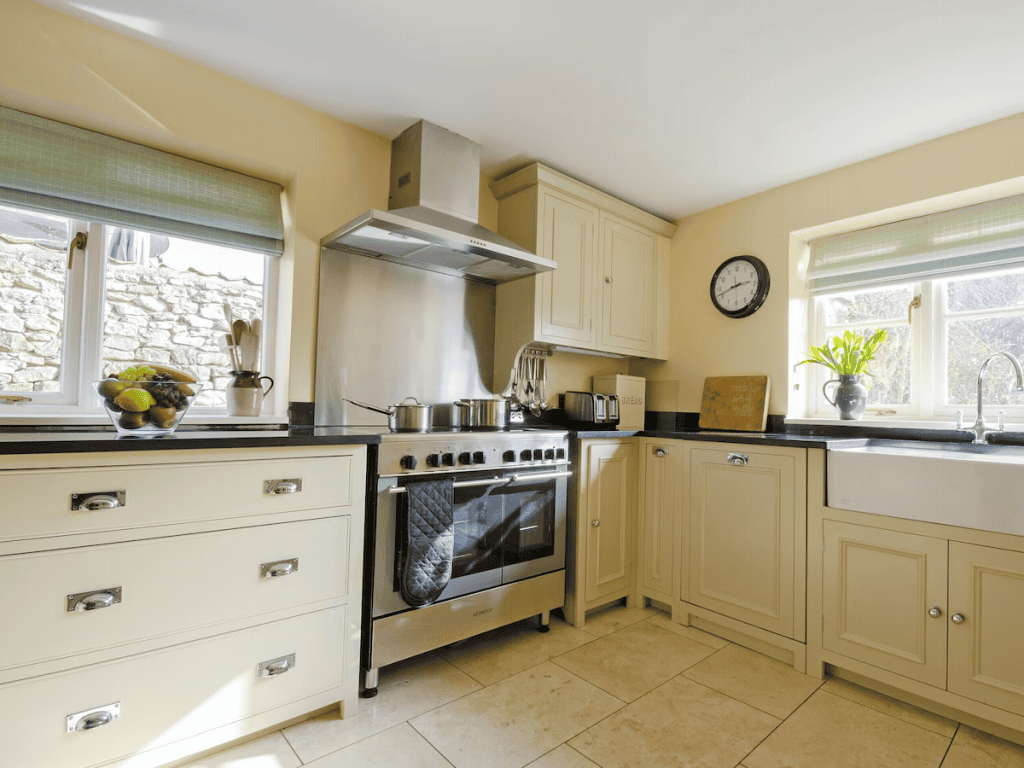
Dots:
(737, 403)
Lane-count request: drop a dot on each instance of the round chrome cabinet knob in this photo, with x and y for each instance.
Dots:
(935, 612)
(958, 618)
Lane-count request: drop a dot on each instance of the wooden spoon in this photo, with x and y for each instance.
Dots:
(237, 329)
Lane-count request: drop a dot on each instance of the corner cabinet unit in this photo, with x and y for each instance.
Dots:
(163, 603)
(602, 527)
(743, 557)
(610, 290)
(927, 612)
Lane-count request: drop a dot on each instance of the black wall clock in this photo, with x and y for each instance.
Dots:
(740, 286)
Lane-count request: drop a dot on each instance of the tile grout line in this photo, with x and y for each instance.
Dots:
(946, 753)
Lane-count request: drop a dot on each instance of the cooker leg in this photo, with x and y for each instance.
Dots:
(545, 620)
(370, 684)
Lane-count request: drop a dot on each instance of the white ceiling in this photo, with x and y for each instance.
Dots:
(674, 105)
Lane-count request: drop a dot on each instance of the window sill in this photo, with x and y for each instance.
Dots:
(7, 418)
(882, 422)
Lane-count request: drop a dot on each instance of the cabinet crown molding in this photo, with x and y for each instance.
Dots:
(541, 174)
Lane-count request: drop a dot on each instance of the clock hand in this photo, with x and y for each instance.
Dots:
(720, 295)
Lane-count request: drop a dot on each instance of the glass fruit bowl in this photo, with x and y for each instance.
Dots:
(146, 408)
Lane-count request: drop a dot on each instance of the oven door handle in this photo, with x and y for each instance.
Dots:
(516, 478)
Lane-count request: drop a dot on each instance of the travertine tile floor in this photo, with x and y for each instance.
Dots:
(630, 689)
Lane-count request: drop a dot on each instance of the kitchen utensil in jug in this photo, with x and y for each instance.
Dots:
(245, 393)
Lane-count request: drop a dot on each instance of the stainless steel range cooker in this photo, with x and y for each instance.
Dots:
(509, 530)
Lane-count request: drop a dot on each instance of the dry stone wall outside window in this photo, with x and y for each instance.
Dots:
(153, 313)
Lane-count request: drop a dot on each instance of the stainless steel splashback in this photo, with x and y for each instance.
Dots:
(387, 332)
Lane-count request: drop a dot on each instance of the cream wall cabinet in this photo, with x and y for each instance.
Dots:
(609, 292)
(662, 571)
(602, 543)
(150, 616)
(941, 612)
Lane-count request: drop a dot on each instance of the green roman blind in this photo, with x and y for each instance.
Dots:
(985, 236)
(50, 166)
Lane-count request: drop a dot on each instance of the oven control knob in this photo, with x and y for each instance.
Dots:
(465, 458)
(560, 453)
(433, 459)
(478, 457)
(508, 456)
(538, 454)
(407, 462)
(448, 460)
(549, 453)
(526, 455)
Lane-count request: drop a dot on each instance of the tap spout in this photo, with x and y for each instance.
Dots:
(980, 430)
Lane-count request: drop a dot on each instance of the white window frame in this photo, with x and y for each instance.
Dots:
(82, 345)
(929, 378)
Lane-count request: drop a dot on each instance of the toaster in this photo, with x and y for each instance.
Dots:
(592, 408)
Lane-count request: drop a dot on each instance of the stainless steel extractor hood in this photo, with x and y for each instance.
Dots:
(431, 221)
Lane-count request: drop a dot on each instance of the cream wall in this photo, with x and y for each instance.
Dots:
(706, 343)
(66, 69)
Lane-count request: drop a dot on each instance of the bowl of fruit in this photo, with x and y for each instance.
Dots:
(147, 399)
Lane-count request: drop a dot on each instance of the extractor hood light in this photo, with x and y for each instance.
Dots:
(376, 233)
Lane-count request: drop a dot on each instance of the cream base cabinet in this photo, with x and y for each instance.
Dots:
(747, 513)
(986, 650)
(610, 290)
(164, 603)
(602, 543)
(926, 612)
(662, 524)
(879, 587)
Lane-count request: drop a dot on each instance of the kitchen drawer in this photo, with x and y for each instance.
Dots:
(167, 585)
(39, 502)
(169, 695)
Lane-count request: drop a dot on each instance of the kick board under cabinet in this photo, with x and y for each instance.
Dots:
(159, 604)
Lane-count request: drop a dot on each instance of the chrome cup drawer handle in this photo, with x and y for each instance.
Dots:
(660, 452)
(93, 718)
(278, 568)
(281, 487)
(739, 459)
(276, 667)
(93, 502)
(91, 601)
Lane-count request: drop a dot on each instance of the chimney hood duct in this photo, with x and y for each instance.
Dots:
(431, 221)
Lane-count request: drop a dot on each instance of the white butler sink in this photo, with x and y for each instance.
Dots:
(972, 486)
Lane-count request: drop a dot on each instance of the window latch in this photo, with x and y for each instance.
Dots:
(915, 303)
(79, 242)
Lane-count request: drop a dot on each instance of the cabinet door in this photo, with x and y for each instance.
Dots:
(878, 588)
(628, 285)
(986, 654)
(742, 519)
(610, 517)
(661, 485)
(567, 294)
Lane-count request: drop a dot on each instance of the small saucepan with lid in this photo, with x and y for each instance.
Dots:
(404, 417)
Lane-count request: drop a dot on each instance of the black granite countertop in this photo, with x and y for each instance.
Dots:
(185, 439)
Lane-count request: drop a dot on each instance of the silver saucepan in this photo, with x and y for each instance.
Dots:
(484, 414)
(404, 417)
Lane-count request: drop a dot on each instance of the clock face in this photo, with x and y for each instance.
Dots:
(739, 286)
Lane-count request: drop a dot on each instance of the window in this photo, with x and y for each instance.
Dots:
(928, 369)
(132, 296)
(160, 244)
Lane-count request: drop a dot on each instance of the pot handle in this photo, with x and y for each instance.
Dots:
(829, 399)
(367, 406)
(463, 403)
(414, 400)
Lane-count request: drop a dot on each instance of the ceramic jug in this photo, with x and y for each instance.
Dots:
(245, 393)
(851, 396)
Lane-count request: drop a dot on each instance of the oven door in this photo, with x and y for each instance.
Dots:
(507, 527)
(533, 536)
